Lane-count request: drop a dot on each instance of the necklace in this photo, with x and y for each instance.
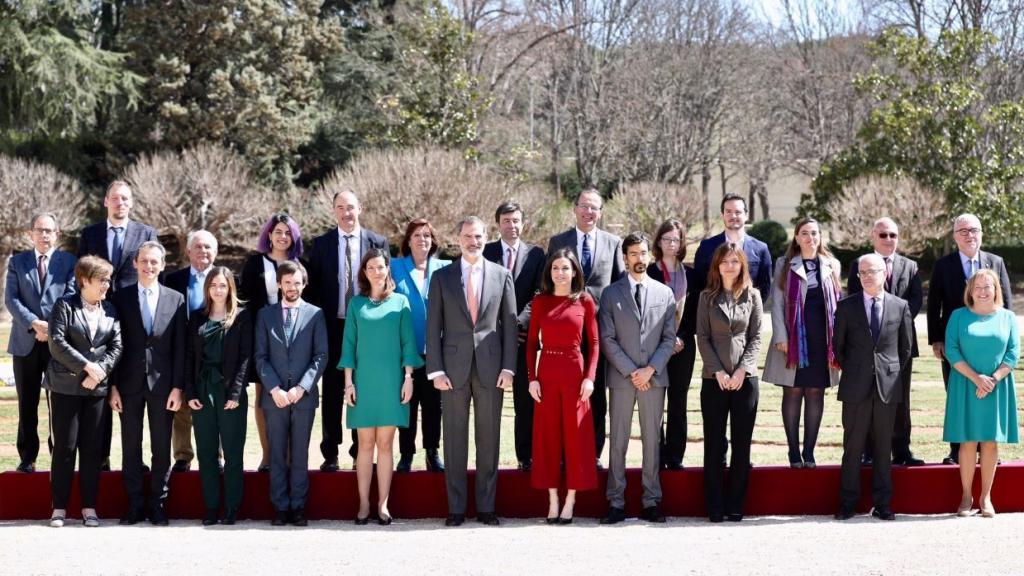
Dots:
(90, 307)
(376, 302)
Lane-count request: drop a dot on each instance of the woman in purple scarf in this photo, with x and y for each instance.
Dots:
(805, 290)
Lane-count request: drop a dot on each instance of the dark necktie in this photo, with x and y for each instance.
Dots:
(876, 317)
(117, 245)
(42, 271)
(888, 274)
(348, 271)
(639, 299)
(289, 324)
(587, 257)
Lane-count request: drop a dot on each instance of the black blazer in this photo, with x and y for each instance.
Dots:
(153, 363)
(946, 290)
(868, 366)
(906, 284)
(529, 270)
(178, 281)
(235, 360)
(322, 290)
(93, 241)
(654, 271)
(71, 347)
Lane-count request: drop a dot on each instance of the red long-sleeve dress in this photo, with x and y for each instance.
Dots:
(559, 328)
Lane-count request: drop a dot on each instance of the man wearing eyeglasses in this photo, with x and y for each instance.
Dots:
(946, 290)
(903, 280)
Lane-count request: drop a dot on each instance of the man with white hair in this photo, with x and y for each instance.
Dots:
(189, 281)
(903, 280)
(946, 291)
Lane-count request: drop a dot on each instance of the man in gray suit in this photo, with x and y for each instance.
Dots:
(35, 280)
(471, 355)
(637, 323)
(291, 354)
(873, 334)
(600, 255)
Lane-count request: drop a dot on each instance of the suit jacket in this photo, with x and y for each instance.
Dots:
(454, 342)
(27, 301)
(529, 269)
(323, 287)
(654, 271)
(946, 290)
(759, 262)
(867, 365)
(906, 284)
(152, 363)
(607, 259)
(298, 362)
(728, 340)
(178, 281)
(94, 242)
(72, 347)
(629, 342)
(236, 355)
(252, 286)
(401, 271)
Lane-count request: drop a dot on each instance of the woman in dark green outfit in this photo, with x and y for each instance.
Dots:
(217, 352)
(378, 355)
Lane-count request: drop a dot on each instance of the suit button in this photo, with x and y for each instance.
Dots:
(92, 349)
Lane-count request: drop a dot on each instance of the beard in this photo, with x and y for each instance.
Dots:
(639, 268)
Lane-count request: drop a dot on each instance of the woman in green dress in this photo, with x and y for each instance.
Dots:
(218, 347)
(378, 355)
(982, 347)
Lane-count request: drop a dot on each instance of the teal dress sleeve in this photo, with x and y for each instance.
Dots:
(348, 344)
(1012, 353)
(410, 351)
(953, 352)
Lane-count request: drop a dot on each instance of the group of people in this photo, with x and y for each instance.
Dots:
(582, 334)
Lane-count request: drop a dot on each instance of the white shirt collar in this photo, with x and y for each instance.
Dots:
(891, 257)
(355, 232)
(580, 233)
(112, 225)
(195, 272)
(632, 282)
(505, 246)
(285, 304)
(48, 253)
(155, 289)
(868, 298)
(964, 258)
(466, 265)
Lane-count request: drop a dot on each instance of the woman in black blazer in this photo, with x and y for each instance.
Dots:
(85, 346)
(280, 240)
(218, 351)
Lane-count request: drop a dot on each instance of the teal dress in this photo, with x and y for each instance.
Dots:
(379, 341)
(984, 342)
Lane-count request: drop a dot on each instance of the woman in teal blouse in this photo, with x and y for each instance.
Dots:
(378, 355)
(982, 346)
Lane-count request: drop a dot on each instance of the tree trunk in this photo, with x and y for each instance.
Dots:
(705, 189)
(5, 258)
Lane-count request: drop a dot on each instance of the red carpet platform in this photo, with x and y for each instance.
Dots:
(773, 490)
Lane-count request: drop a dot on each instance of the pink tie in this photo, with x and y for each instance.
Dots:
(511, 259)
(474, 304)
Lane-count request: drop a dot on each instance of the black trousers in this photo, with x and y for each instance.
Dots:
(680, 370)
(28, 375)
(76, 429)
(599, 408)
(428, 399)
(133, 408)
(523, 404)
(901, 428)
(332, 390)
(860, 418)
(739, 408)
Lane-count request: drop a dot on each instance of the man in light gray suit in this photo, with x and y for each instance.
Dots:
(638, 332)
(600, 255)
(471, 354)
(291, 354)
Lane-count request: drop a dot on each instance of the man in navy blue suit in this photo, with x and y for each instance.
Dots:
(35, 280)
(333, 268)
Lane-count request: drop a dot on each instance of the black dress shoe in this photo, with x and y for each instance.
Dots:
(157, 516)
(553, 520)
(181, 466)
(949, 460)
(230, 516)
(298, 517)
(210, 517)
(810, 463)
(145, 469)
(404, 464)
(133, 517)
(564, 521)
(105, 467)
(488, 518)
(673, 465)
(908, 460)
(614, 516)
(455, 520)
(330, 466)
(734, 517)
(883, 514)
(26, 467)
(434, 463)
(280, 518)
(362, 521)
(867, 460)
(263, 468)
(652, 514)
(524, 466)
(384, 520)
(844, 513)
(716, 518)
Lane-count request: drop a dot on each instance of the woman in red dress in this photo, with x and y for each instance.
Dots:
(564, 319)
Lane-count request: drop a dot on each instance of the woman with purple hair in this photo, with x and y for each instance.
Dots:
(280, 240)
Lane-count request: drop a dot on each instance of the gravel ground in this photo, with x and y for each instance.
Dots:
(766, 545)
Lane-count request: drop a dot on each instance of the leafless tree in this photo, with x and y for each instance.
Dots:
(645, 205)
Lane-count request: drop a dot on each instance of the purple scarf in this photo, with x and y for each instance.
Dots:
(796, 354)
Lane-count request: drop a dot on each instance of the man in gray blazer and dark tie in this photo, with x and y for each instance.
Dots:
(872, 337)
(600, 255)
(638, 332)
(35, 280)
(291, 354)
(471, 355)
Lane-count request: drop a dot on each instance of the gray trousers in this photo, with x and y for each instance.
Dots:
(487, 399)
(289, 428)
(651, 405)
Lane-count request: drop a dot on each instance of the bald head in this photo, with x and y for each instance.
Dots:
(871, 271)
(885, 236)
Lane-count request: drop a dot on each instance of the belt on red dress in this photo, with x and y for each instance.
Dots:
(561, 351)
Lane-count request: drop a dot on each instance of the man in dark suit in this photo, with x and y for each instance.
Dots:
(526, 262)
(333, 269)
(902, 280)
(116, 240)
(189, 281)
(291, 349)
(946, 290)
(872, 337)
(471, 356)
(600, 255)
(35, 280)
(149, 380)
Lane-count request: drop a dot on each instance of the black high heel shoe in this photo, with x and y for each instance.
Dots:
(362, 521)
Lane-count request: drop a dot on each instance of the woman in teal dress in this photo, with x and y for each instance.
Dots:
(982, 347)
(378, 355)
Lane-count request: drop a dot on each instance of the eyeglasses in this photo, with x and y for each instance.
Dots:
(965, 232)
(589, 207)
(870, 271)
(667, 240)
(888, 235)
(44, 231)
